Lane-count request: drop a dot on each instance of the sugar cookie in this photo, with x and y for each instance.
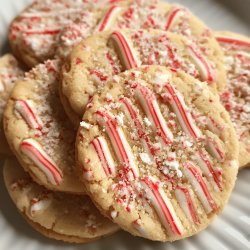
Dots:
(156, 164)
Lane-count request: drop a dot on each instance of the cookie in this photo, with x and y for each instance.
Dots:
(10, 71)
(61, 216)
(90, 23)
(157, 163)
(157, 15)
(38, 131)
(236, 96)
(34, 33)
(106, 54)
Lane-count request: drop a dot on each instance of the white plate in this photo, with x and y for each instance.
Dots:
(229, 231)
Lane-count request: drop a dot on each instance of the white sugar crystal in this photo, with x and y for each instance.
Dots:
(120, 119)
(145, 158)
(86, 125)
(114, 214)
(40, 205)
(234, 164)
(173, 165)
(179, 173)
(161, 78)
(157, 145)
(165, 171)
(188, 144)
(172, 154)
(109, 97)
(246, 108)
(147, 121)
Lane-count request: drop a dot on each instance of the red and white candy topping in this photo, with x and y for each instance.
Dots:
(232, 41)
(196, 180)
(208, 169)
(187, 203)
(104, 155)
(107, 20)
(162, 205)
(204, 67)
(173, 16)
(33, 150)
(133, 116)
(157, 160)
(125, 50)
(214, 149)
(180, 109)
(27, 112)
(120, 143)
(149, 104)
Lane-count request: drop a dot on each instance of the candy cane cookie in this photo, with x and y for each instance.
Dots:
(38, 131)
(166, 17)
(60, 216)
(34, 33)
(106, 54)
(236, 96)
(170, 173)
(10, 71)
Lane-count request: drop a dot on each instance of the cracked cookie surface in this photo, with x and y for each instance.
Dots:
(66, 217)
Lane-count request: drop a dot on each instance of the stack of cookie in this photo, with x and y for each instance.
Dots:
(134, 115)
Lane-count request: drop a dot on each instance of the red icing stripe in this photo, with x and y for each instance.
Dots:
(233, 41)
(190, 204)
(112, 125)
(101, 155)
(149, 98)
(210, 76)
(124, 46)
(165, 210)
(45, 162)
(106, 18)
(31, 113)
(211, 170)
(182, 111)
(193, 170)
(42, 32)
(171, 17)
(137, 124)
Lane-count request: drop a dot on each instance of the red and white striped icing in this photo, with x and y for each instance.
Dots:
(126, 51)
(108, 19)
(195, 178)
(34, 151)
(184, 117)
(206, 71)
(214, 150)
(187, 203)
(120, 143)
(173, 16)
(162, 206)
(102, 150)
(133, 116)
(208, 169)
(232, 41)
(24, 107)
(150, 106)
